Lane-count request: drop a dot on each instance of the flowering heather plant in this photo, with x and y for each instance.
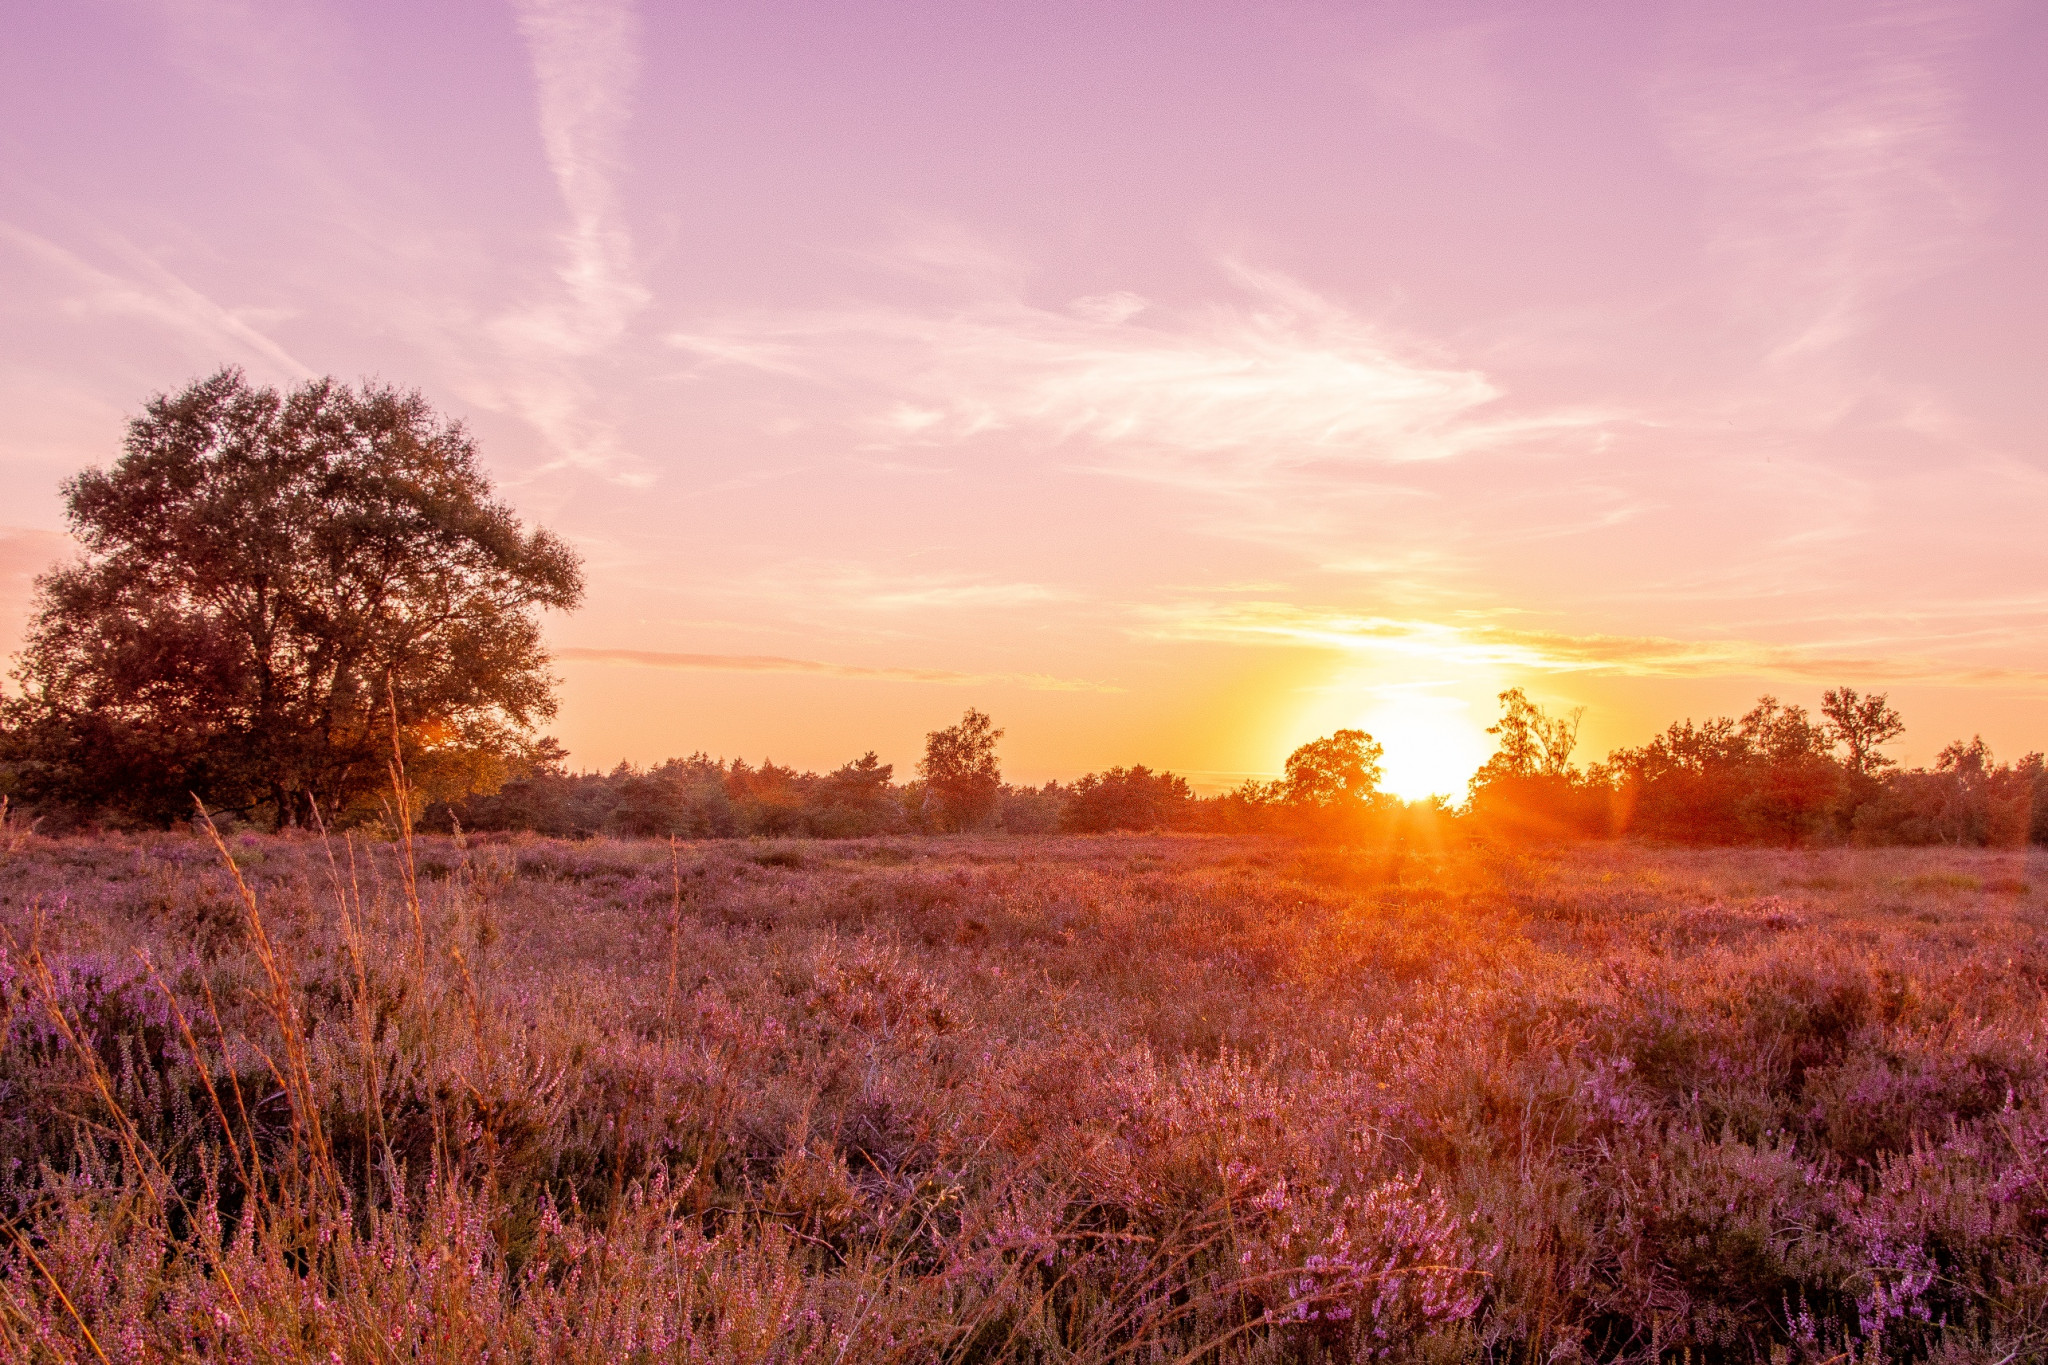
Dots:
(1160, 1098)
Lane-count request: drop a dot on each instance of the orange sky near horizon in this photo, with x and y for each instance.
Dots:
(1175, 383)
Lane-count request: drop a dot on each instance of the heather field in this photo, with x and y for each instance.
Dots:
(1157, 1099)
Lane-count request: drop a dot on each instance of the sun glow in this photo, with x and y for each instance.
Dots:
(1432, 744)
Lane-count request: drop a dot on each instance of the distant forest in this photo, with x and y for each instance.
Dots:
(1775, 776)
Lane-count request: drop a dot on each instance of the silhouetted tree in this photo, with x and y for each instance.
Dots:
(1793, 780)
(1126, 798)
(1966, 799)
(1532, 743)
(1338, 773)
(1685, 784)
(1528, 785)
(1861, 725)
(962, 780)
(270, 583)
(1031, 810)
(769, 799)
(856, 798)
(1769, 777)
(1252, 807)
(686, 797)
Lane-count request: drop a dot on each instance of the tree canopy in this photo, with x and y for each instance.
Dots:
(1340, 772)
(1529, 782)
(962, 777)
(271, 583)
(1532, 742)
(1126, 798)
(1860, 724)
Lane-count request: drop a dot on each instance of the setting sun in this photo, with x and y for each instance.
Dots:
(1432, 744)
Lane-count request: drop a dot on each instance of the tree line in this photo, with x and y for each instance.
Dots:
(957, 787)
(1775, 775)
(290, 602)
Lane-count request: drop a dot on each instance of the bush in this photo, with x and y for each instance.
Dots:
(1134, 798)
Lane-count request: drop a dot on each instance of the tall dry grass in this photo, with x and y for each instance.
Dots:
(1125, 1098)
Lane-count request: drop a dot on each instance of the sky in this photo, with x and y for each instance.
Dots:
(1175, 382)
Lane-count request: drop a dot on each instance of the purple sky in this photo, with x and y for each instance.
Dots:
(1176, 382)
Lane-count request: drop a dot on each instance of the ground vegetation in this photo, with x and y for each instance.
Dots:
(979, 1098)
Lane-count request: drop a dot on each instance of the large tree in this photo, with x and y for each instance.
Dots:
(271, 583)
(1529, 785)
(1533, 743)
(1339, 773)
(1861, 724)
(962, 778)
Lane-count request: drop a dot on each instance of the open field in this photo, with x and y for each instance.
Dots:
(1145, 1098)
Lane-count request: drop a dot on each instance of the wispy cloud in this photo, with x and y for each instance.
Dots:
(1486, 645)
(1836, 165)
(878, 593)
(135, 285)
(1227, 395)
(851, 587)
(260, 55)
(768, 663)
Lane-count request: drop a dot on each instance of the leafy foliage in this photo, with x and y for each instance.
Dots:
(962, 777)
(1862, 725)
(1769, 777)
(1133, 798)
(1338, 773)
(1774, 776)
(271, 583)
(1529, 785)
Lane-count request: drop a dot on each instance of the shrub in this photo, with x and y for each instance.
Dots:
(1134, 798)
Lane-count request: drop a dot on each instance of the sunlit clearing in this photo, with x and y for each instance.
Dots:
(1433, 745)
